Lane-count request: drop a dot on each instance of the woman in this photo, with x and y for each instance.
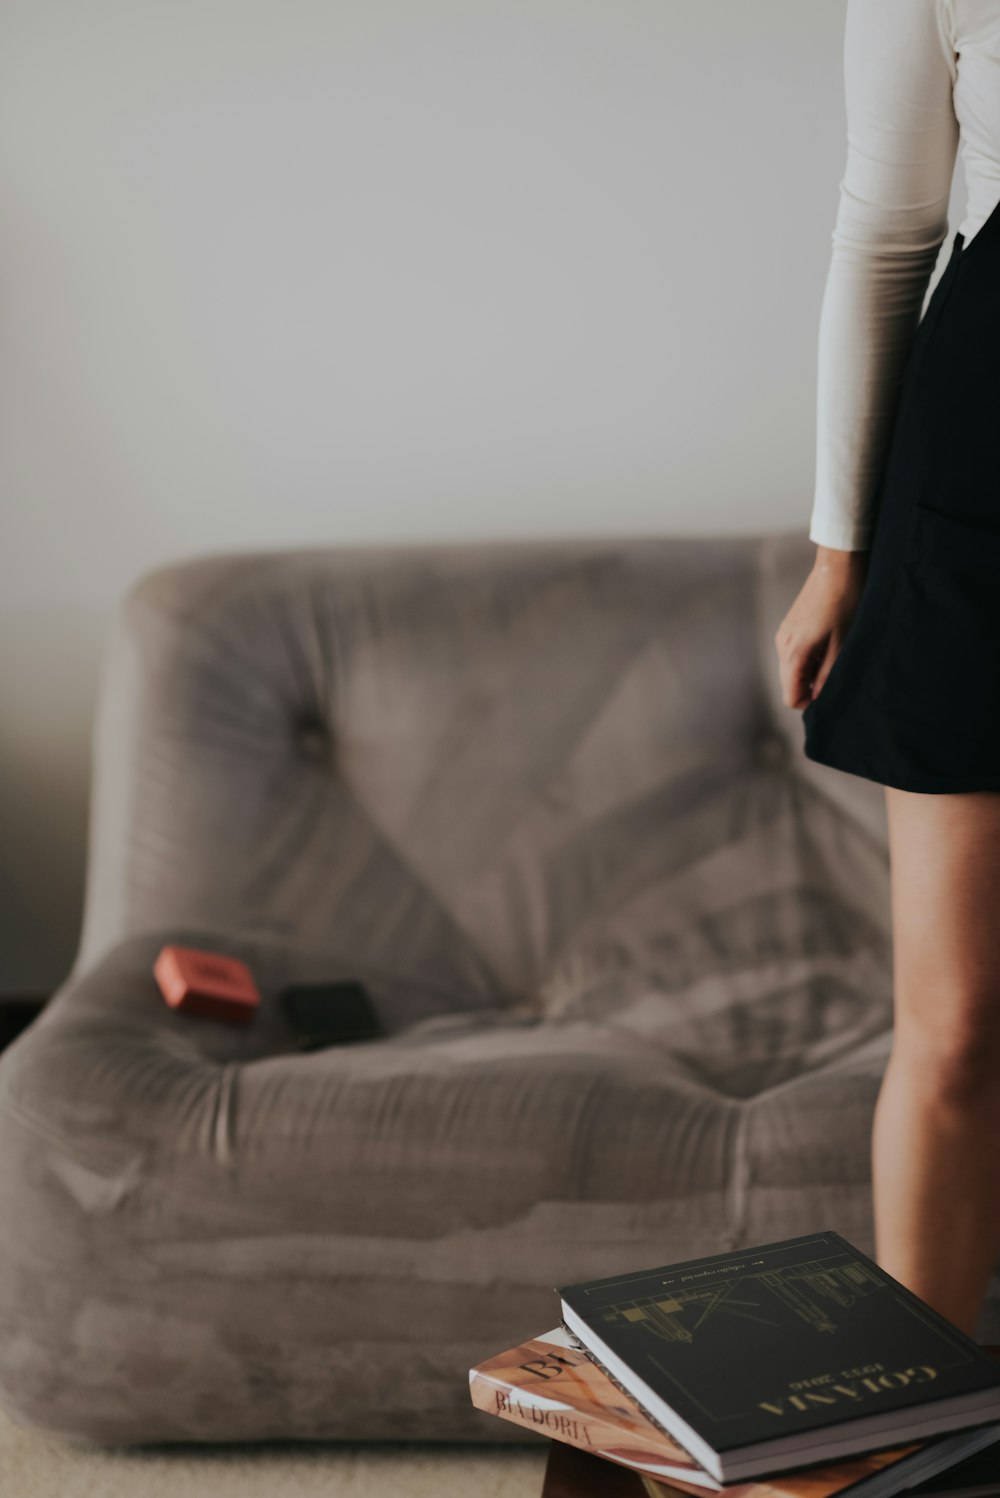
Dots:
(892, 646)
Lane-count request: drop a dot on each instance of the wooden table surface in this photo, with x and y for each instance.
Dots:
(570, 1473)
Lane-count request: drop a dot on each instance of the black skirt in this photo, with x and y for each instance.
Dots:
(913, 697)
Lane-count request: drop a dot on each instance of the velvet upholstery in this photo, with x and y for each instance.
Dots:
(631, 951)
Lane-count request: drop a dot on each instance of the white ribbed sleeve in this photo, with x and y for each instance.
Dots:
(891, 220)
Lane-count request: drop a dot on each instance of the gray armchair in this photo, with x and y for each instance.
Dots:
(631, 950)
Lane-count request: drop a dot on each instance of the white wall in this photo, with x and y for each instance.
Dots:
(292, 272)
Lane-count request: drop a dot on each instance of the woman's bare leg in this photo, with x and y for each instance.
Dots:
(936, 1136)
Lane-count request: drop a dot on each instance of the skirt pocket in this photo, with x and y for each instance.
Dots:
(938, 658)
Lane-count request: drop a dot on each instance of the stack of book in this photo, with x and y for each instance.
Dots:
(794, 1369)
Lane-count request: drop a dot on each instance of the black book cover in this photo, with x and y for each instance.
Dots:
(979, 1473)
(781, 1338)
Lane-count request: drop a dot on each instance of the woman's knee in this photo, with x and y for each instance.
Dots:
(953, 1045)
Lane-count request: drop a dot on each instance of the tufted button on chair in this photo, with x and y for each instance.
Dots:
(311, 738)
(772, 750)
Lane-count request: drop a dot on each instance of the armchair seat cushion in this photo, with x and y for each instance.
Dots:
(209, 1235)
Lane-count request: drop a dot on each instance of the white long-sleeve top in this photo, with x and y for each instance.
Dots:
(922, 83)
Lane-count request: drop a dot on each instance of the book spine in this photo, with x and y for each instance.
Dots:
(630, 1397)
(583, 1431)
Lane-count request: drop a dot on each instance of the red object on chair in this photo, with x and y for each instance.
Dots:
(206, 983)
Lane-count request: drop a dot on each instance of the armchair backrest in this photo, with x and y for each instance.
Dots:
(451, 757)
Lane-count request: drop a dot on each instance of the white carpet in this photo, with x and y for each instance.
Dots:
(40, 1466)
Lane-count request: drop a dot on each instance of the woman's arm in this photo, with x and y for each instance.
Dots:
(892, 218)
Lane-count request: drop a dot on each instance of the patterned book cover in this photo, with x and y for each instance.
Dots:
(551, 1386)
(762, 1358)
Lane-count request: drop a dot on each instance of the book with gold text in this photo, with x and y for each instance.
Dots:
(549, 1385)
(785, 1355)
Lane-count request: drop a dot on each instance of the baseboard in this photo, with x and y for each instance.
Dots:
(17, 1012)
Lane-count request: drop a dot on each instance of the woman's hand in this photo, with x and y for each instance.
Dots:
(811, 633)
